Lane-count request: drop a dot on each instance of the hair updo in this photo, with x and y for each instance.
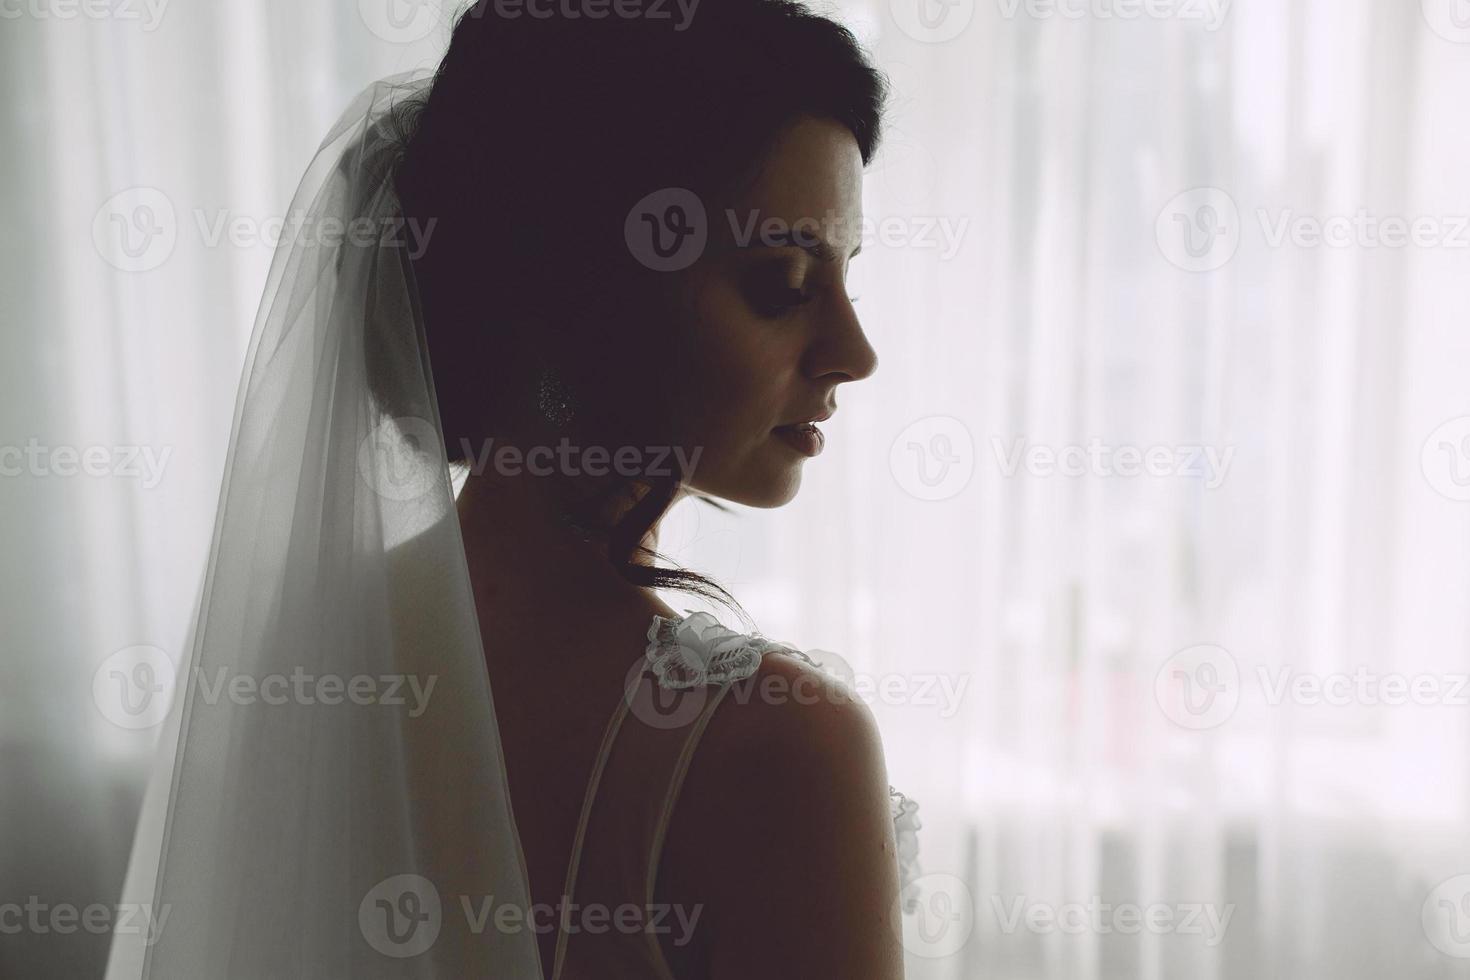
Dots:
(541, 130)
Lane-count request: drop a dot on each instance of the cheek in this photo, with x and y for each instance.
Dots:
(738, 365)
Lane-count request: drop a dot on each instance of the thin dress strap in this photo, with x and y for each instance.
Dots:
(676, 783)
(631, 794)
(604, 749)
(641, 764)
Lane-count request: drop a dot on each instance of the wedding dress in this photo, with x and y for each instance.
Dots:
(330, 795)
(640, 766)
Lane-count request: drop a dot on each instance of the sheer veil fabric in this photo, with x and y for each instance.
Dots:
(335, 682)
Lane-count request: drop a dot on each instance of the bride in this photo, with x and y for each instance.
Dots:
(594, 264)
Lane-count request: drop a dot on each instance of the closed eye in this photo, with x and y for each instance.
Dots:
(777, 301)
(786, 299)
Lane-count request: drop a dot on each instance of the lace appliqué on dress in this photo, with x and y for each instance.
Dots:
(906, 827)
(699, 649)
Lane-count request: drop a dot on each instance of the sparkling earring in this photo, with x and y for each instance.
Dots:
(557, 404)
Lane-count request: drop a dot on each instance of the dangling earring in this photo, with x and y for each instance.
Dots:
(557, 404)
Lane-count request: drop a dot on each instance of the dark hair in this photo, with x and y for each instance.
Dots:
(539, 133)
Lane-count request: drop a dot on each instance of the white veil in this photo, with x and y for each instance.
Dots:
(330, 798)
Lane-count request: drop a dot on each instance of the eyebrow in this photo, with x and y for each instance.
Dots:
(820, 248)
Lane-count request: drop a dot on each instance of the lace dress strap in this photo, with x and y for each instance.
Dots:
(689, 666)
(697, 649)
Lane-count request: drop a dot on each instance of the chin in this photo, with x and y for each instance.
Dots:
(771, 495)
(754, 485)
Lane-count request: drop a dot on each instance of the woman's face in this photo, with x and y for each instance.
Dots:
(769, 331)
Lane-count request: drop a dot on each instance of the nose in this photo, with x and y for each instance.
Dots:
(841, 348)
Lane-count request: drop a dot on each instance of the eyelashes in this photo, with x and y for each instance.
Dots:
(785, 299)
(781, 300)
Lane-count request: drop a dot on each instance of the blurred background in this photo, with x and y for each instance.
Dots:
(1149, 542)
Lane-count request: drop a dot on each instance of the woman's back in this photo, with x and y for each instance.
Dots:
(557, 682)
(692, 811)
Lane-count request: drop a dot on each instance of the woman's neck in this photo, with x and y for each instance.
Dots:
(522, 553)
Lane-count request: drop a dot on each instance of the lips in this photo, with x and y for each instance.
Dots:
(805, 437)
(808, 420)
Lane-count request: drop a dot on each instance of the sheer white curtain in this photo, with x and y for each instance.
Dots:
(1079, 672)
(1209, 720)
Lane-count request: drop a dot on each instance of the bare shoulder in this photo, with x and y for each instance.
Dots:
(790, 706)
(782, 832)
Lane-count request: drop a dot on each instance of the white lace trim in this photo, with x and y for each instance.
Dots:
(699, 649)
(906, 825)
